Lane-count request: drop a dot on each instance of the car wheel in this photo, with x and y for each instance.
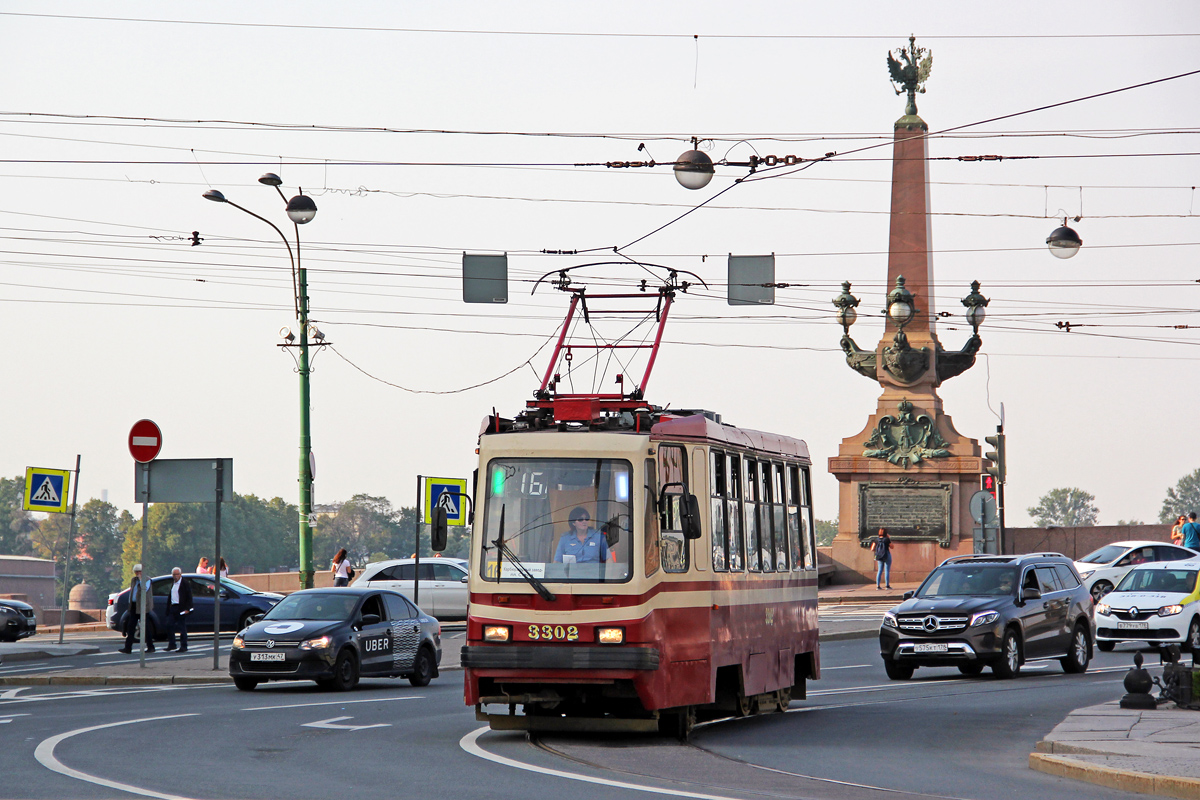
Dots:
(1079, 656)
(1099, 589)
(244, 622)
(1106, 647)
(678, 724)
(1009, 665)
(971, 668)
(345, 672)
(897, 671)
(245, 684)
(1193, 637)
(422, 668)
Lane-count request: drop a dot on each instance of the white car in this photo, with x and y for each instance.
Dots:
(1103, 569)
(443, 584)
(1157, 603)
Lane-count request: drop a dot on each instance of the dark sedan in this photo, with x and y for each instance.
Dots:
(333, 636)
(16, 620)
(239, 604)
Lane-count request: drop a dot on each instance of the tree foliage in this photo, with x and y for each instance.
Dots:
(16, 524)
(1065, 508)
(826, 530)
(1182, 498)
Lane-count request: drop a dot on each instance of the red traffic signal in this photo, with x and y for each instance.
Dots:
(987, 483)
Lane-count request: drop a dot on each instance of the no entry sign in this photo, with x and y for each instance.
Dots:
(145, 440)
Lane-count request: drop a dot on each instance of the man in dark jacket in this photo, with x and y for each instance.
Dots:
(138, 589)
(179, 605)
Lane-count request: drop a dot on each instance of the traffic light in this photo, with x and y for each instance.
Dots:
(987, 483)
(996, 468)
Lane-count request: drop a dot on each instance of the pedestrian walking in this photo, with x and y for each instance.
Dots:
(178, 607)
(1177, 530)
(203, 567)
(139, 592)
(1191, 532)
(341, 569)
(882, 547)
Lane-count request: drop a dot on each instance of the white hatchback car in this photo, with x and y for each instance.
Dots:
(443, 584)
(1156, 603)
(1103, 569)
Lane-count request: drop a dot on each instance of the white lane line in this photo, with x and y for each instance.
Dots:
(7, 718)
(45, 756)
(11, 693)
(332, 724)
(849, 666)
(334, 703)
(470, 745)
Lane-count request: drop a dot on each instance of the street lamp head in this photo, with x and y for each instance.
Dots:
(693, 169)
(286, 334)
(900, 306)
(976, 304)
(301, 209)
(215, 196)
(270, 179)
(1063, 241)
(845, 302)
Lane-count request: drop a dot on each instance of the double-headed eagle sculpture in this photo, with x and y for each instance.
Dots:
(910, 76)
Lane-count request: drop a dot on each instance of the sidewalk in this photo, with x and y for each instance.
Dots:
(1153, 752)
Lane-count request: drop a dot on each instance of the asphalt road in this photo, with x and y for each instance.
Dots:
(858, 734)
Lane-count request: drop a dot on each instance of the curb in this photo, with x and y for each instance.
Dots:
(1112, 778)
(110, 680)
(34, 655)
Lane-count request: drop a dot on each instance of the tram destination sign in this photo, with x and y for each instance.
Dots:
(909, 511)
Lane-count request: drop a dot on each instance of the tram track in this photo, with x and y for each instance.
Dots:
(666, 761)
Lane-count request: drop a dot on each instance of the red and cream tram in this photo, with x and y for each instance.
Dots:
(634, 568)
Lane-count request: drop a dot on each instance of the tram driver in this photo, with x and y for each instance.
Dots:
(583, 543)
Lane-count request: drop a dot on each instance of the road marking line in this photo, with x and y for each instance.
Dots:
(850, 666)
(45, 756)
(331, 724)
(11, 693)
(333, 703)
(470, 745)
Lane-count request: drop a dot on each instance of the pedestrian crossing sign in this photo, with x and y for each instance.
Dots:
(447, 493)
(46, 489)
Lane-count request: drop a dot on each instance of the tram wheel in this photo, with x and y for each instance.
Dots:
(678, 723)
(747, 705)
(783, 699)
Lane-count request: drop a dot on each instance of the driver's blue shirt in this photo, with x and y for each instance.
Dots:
(592, 549)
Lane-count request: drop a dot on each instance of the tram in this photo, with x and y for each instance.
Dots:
(635, 568)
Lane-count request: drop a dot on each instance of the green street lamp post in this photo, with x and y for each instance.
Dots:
(300, 209)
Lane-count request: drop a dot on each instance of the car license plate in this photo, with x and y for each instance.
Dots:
(1133, 626)
(267, 656)
(931, 647)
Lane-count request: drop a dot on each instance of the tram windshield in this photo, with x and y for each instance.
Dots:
(567, 520)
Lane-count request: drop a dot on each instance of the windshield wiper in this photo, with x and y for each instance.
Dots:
(503, 550)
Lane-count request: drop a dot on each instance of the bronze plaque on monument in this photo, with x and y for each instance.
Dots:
(910, 511)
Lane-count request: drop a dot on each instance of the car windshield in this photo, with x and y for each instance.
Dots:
(566, 520)
(1172, 581)
(972, 581)
(318, 606)
(1110, 552)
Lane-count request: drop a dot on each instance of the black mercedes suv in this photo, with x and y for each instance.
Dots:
(997, 611)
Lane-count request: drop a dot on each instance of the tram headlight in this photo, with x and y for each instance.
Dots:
(496, 633)
(610, 635)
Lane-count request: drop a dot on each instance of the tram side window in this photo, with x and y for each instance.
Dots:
(752, 501)
(806, 520)
(672, 463)
(778, 524)
(651, 518)
(733, 516)
(718, 489)
(799, 542)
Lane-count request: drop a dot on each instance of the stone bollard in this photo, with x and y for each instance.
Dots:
(1137, 687)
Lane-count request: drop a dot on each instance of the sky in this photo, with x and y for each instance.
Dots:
(423, 131)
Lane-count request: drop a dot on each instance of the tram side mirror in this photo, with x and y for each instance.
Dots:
(691, 517)
(439, 530)
(612, 530)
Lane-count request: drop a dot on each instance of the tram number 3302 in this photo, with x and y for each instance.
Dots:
(568, 633)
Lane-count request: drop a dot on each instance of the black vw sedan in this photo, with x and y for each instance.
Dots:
(333, 636)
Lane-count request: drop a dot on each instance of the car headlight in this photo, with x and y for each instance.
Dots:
(984, 618)
(496, 633)
(889, 620)
(1088, 574)
(1102, 608)
(319, 643)
(238, 642)
(1170, 611)
(610, 635)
